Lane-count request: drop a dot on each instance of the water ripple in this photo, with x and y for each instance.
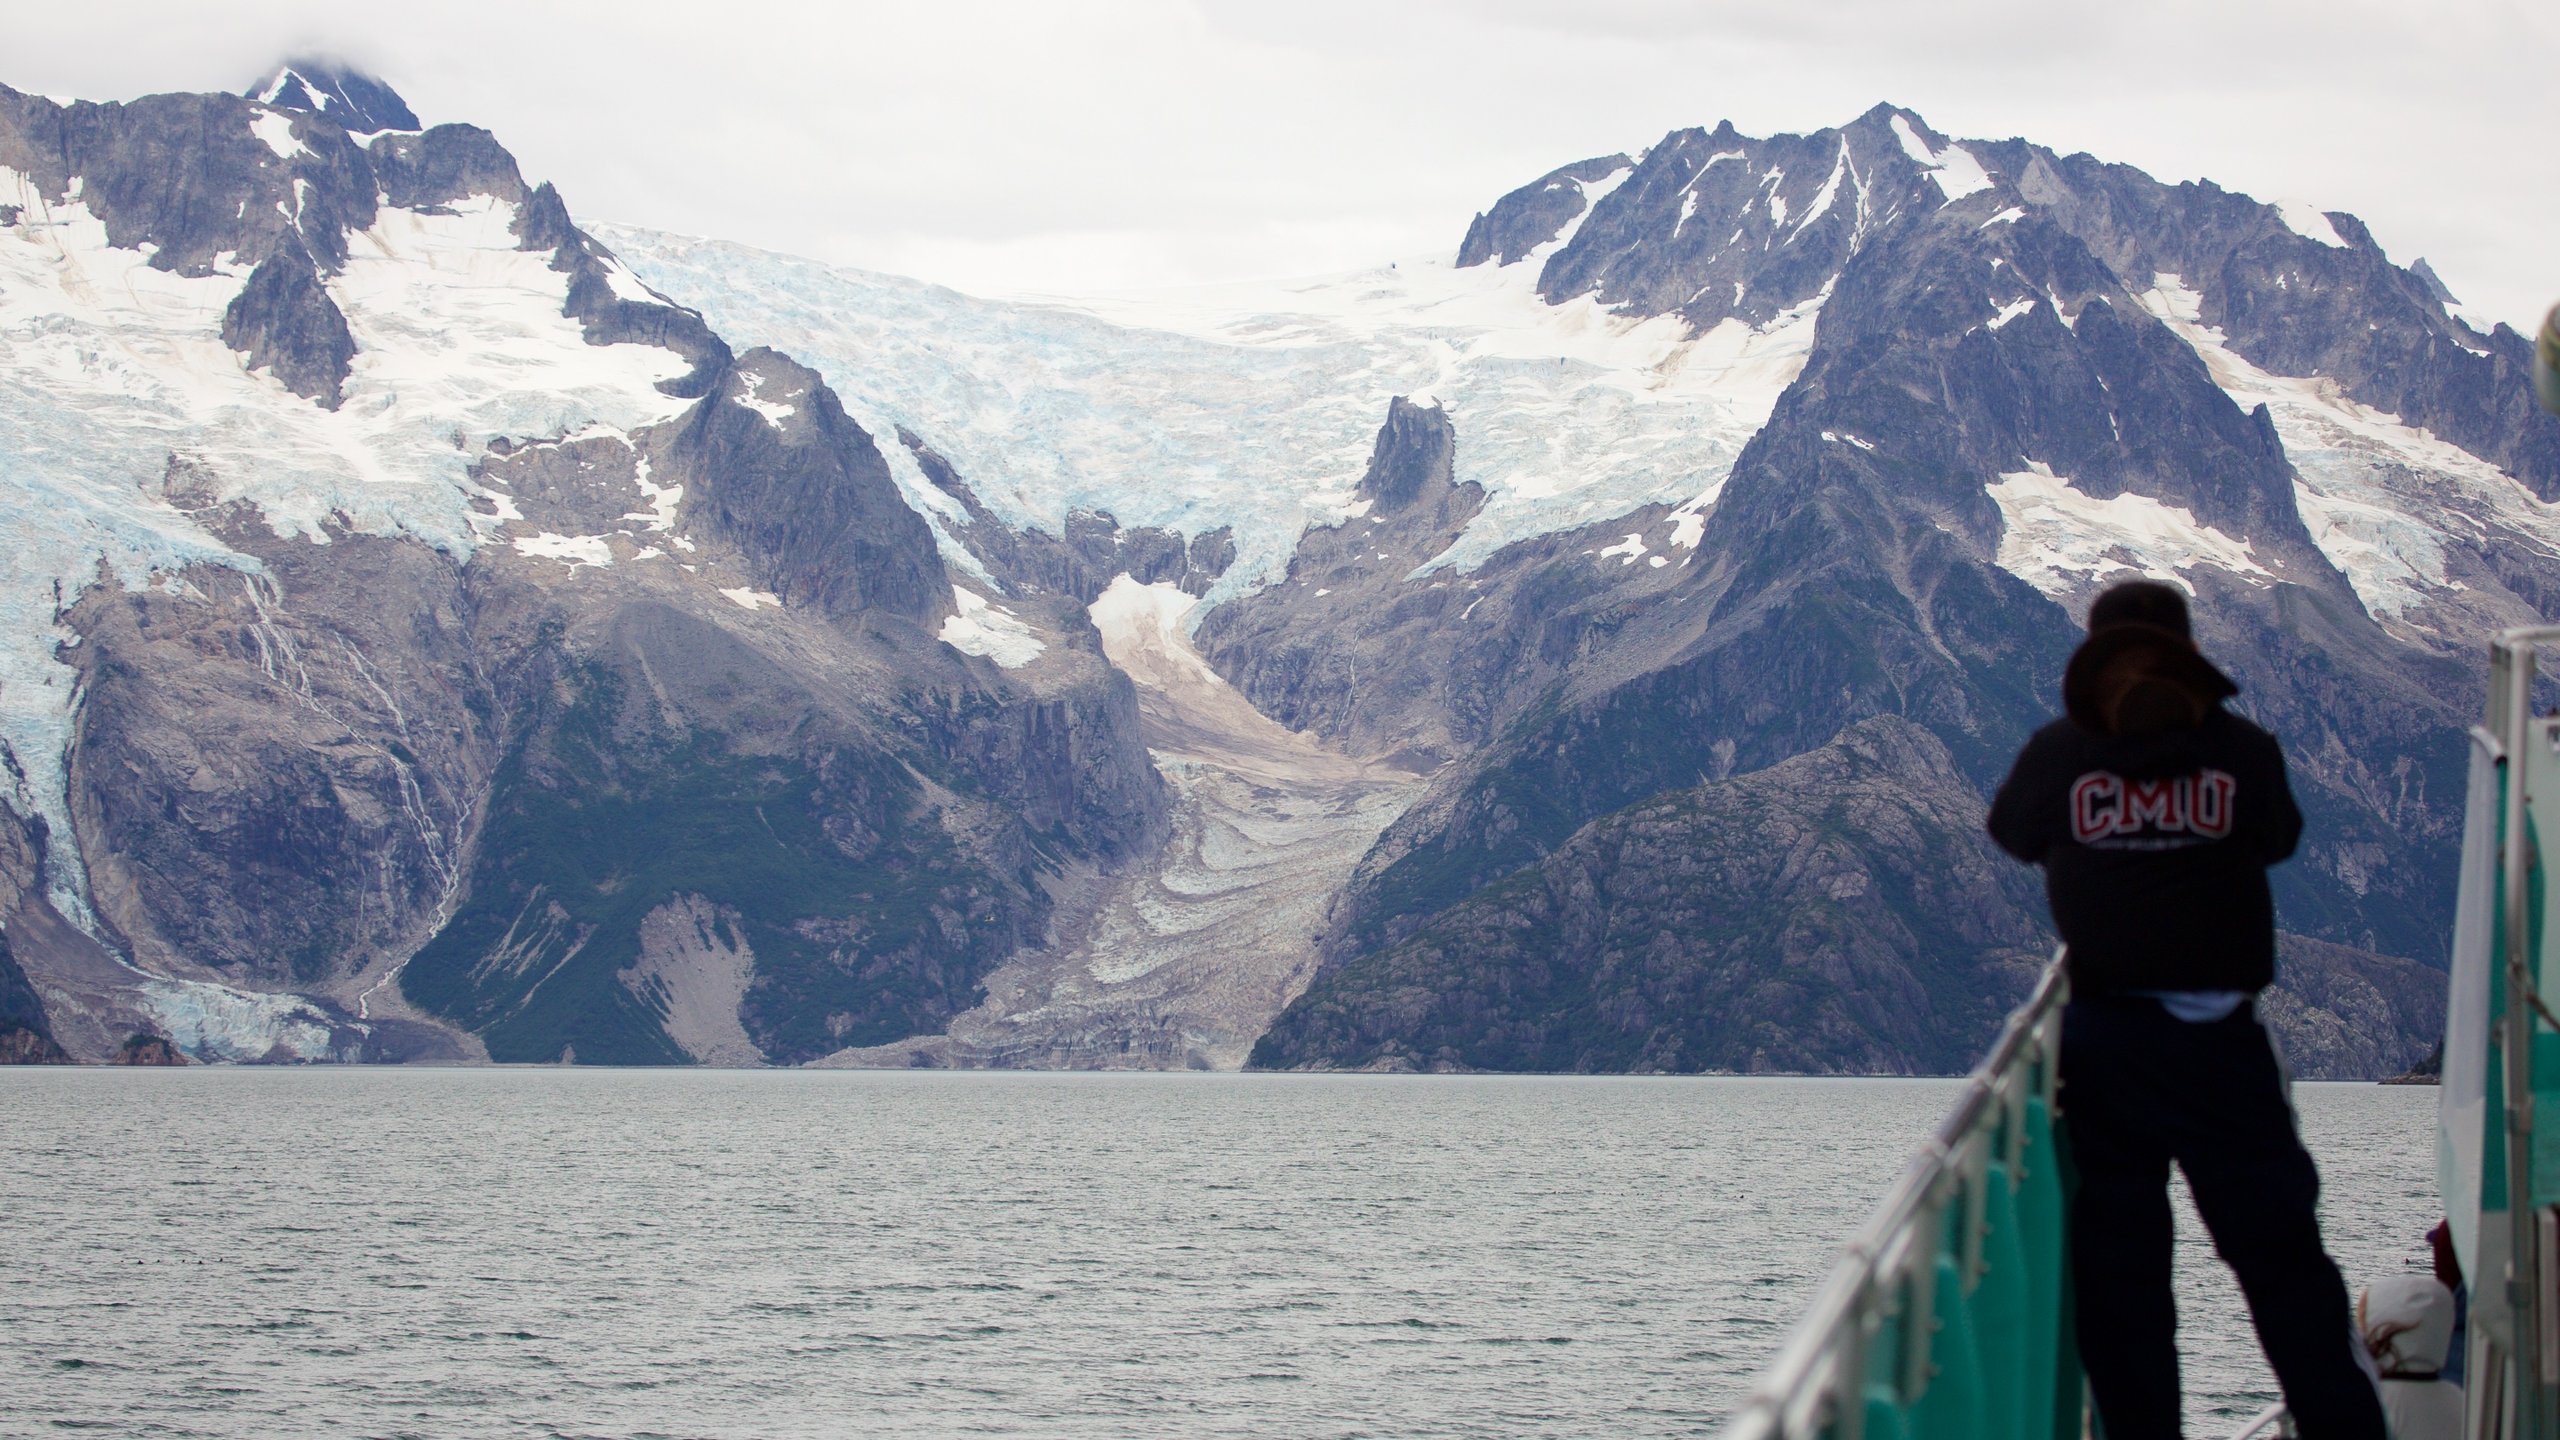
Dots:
(233, 1253)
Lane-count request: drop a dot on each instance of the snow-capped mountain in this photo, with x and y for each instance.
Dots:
(409, 607)
(443, 629)
(2036, 369)
(357, 102)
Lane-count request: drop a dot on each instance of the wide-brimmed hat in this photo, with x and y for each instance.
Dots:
(2141, 602)
(2124, 658)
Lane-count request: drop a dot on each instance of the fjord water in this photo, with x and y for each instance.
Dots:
(251, 1252)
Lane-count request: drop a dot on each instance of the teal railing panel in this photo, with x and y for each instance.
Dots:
(1949, 1317)
(2002, 1315)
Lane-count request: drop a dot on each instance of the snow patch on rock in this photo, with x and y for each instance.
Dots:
(662, 500)
(2382, 499)
(276, 129)
(570, 550)
(2306, 220)
(2011, 311)
(984, 628)
(749, 394)
(2061, 540)
(1627, 551)
(1954, 169)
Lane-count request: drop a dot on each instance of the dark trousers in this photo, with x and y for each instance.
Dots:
(2141, 1089)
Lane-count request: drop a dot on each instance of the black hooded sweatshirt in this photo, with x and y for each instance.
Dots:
(2155, 814)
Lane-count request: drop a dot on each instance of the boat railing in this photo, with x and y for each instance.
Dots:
(1949, 1314)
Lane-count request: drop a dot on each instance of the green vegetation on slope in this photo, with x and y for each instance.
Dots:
(861, 914)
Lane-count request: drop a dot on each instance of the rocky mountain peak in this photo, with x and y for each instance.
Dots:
(359, 102)
(1539, 213)
(1415, 454)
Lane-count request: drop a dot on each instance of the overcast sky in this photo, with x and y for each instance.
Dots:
(1011, 147)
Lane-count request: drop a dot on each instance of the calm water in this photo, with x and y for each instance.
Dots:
(536, 1253)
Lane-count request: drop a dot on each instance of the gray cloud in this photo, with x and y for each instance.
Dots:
(1030, 146)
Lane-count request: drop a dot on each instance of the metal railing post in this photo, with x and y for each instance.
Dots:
(2516, 1033)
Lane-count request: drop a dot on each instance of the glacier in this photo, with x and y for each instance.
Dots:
(1255, 405)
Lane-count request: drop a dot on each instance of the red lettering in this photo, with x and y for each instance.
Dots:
(2211, 815)
(2094, 798)
(2105, 804)
(2160, 803)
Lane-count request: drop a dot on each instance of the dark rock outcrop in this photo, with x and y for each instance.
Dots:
(283, 320)
(1840, 912)
(863, 924)
(145, 1047)
(804, 493)
(2299, 305)
(1535, 213)
(1415, 456)
(190, 177)
(448, 163)
(25, 1037)
(2345, 1014)
(276, 773)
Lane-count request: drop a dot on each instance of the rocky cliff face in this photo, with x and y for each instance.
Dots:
(1839, 912)
(1297, 649)
(489, 798)
(1090, 550)
(25, 1036)
(804, 493)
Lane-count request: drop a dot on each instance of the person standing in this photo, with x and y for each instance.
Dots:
(2155, 813)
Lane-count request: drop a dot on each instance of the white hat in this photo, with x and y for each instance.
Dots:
(2407, 1321)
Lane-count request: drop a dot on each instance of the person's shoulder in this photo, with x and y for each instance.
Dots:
(2054, 747)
